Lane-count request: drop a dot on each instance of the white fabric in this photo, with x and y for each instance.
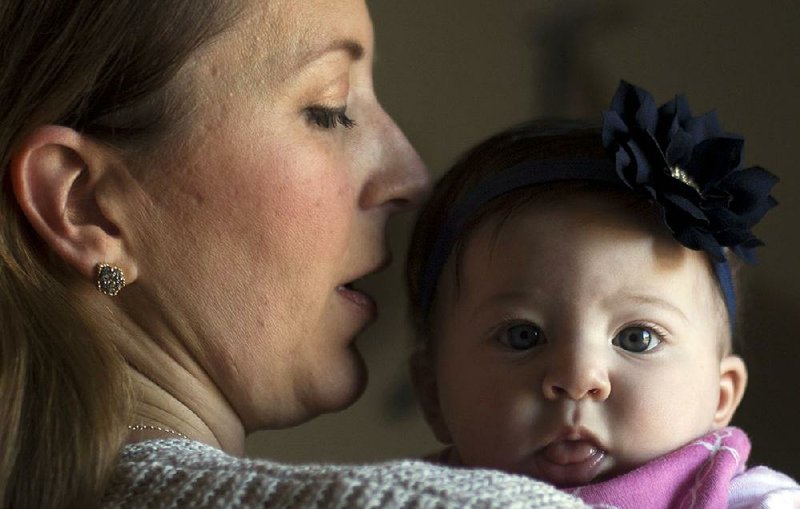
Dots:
(182, 473)
(763, 488)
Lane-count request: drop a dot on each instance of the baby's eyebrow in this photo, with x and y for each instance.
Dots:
(650, 300)
(505, 298)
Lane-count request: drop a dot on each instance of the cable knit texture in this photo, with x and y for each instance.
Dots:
(183, 473)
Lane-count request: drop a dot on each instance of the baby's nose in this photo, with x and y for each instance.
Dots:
(577, 376)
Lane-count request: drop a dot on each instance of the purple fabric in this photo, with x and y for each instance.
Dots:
(695, 476)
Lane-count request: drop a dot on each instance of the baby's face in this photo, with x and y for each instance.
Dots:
(582, 342)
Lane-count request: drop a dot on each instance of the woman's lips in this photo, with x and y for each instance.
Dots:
(362, 300)
(569, 462)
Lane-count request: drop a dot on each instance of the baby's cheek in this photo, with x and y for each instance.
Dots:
(658, 421)
(499, 431)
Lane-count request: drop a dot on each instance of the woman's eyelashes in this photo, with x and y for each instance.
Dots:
(637, 339)
(329, 118)
(521, 336)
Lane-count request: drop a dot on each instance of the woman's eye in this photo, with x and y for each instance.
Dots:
(328, 118)
(522, 336)
(636, 339)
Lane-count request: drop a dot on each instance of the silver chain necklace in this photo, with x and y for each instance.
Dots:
(145, 427)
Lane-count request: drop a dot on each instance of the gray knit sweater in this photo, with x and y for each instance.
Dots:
(180, 473)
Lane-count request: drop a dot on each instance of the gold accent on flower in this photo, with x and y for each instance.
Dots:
(681, 175)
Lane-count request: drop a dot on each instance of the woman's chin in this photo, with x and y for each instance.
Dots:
(343, 385)
(322, 392)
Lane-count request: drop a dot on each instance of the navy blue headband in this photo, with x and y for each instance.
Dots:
(687, 166)
(526, 174)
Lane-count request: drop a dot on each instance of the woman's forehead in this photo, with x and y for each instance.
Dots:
(281, 37)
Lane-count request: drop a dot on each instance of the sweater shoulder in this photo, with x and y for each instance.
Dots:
(183, 473)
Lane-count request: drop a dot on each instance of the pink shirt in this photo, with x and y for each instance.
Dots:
(707, 473)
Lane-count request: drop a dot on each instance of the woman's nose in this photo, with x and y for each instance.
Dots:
(400, 178)
(577, 375)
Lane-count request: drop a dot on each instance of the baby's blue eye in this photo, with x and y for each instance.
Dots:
(636, 339)
(523, 336)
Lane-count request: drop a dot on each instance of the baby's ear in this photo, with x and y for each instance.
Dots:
(423, 378)
(732, 384)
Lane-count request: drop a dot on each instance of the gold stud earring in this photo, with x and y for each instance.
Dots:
(110, 279)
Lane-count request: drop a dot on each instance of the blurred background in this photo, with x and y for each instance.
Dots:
(452, 72)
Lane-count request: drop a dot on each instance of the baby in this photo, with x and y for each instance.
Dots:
(574, 295)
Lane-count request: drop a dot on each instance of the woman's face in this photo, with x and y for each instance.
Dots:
(275, 201)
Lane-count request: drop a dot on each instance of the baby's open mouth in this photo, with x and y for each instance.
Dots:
(569, 462)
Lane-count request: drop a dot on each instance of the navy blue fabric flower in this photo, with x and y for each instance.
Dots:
(690, 169)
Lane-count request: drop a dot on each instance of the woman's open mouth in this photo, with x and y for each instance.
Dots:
(359, 298)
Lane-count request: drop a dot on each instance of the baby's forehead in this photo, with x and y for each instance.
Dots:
(578, 211)
(578, 241)
(580, 249)
(582, 238)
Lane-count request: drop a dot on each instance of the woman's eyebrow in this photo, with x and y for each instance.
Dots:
(353, 48)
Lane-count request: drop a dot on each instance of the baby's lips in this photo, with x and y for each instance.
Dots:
(565, 452)
(568, 463)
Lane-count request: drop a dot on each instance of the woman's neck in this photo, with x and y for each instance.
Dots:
(172, 391)
(179, 401)
(190, 413)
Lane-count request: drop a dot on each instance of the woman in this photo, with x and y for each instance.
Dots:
(223, 173)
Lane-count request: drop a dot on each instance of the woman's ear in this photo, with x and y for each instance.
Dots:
(732, 384)
(57, 175)
(423, 378)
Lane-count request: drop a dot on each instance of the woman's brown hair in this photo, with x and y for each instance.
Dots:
(106, 69)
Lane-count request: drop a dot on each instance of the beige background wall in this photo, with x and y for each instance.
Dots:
(453, 71)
